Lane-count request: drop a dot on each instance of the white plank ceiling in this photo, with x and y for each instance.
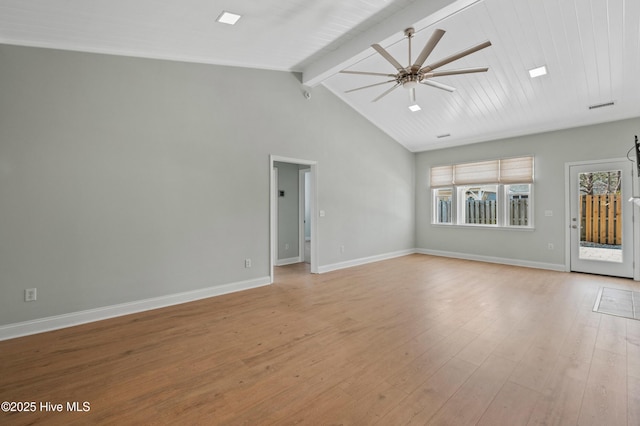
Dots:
(590, 47)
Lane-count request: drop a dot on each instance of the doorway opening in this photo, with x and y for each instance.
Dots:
(293, 228)
(600, 231)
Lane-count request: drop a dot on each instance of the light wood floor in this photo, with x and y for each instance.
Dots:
(414, 340)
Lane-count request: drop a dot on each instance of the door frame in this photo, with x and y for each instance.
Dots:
(313, 202)
(635, 229)
(302, 195)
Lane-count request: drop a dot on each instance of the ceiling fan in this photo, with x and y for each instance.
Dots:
(410, 76)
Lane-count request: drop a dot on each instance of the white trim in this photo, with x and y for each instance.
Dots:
(492, 259)
(289, 261)
(302, 193)
(56, 322)
(273, 199)
(364, 260)
(313, 203)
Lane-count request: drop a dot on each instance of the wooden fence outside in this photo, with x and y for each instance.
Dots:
(600, 218)
(481, 212)
(444, 211)
(519, 212)
(485, 213)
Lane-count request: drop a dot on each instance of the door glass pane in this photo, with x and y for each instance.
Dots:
(601, 216)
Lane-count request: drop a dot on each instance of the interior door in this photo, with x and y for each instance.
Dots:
(601, 222)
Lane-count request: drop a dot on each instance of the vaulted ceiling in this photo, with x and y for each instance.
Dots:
(591, 49)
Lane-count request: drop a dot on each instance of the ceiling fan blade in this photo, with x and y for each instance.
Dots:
(455, 72)
(368, 73)
(456, 56)
(366, 87)
(427, 49)
(438, 85)
(388, 57)
(386, 92)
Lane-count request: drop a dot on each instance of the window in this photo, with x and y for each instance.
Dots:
(496, 193)
(479, 205)
(518, 210)
(443, 198)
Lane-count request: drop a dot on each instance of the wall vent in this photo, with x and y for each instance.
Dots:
(606, 104)
(446, 135)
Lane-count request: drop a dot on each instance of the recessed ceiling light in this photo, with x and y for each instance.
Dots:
(228, 18)
(415, 108)
(537, 72)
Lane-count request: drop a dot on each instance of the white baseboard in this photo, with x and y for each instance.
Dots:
(289, 261)
(364, 261)
(41, 325)
(492, 259)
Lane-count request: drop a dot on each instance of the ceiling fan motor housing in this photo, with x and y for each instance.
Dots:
(410, 81)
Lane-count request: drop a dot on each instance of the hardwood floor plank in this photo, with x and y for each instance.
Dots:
(605, 397)
(612, 335)
(425, 401)
(633, 348)
(410, 340)
(424, 366)
(634, 401)
(512, 406)
(469, 403)
(518, 342)
(560, 404)
(368, 409)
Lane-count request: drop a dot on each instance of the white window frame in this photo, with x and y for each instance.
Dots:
(507, 213)
(458, 202)
(462, 205)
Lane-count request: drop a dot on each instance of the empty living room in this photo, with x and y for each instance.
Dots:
(383, 212)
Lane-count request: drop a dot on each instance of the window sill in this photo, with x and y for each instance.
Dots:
(489, 227)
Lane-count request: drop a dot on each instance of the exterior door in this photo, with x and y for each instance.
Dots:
(601, 222)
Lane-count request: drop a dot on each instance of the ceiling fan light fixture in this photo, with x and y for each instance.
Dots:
(538, 72)
(228, 18)
(415, 108)
(410, 84)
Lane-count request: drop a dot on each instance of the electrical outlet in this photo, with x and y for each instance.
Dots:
(341, 249)
(247, 263)
(286, 246)
(550, 246)
(30, 295)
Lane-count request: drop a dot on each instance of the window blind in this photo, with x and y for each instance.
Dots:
(516, 170)
(479, 172)
(441, 176)
(509, 170)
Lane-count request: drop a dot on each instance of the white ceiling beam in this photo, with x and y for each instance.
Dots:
(419, 14)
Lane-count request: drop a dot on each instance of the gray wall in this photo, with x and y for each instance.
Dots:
(552, 150)
(288, 210)
(124, 178)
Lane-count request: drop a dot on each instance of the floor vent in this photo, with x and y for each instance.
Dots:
(621, 303)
